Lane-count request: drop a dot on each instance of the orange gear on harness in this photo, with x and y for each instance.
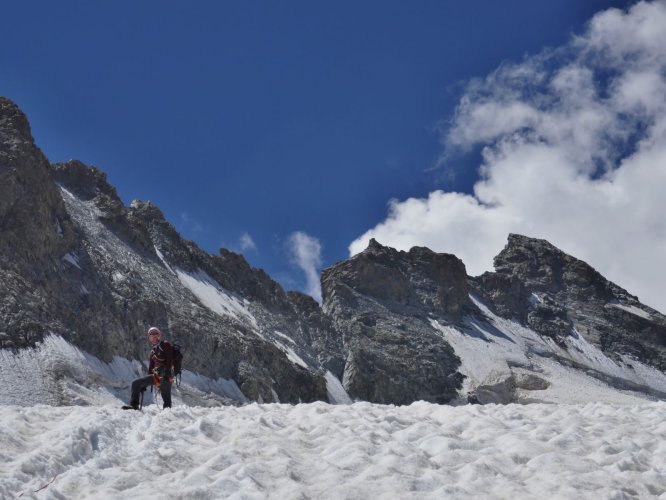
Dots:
(157, 380)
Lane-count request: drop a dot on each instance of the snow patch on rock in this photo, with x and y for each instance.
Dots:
(215, 297)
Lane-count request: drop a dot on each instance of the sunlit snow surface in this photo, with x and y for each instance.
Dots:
(333, 452)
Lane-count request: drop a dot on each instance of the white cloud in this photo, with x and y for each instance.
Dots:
(305, 252)
(574, 151)
(247, 243)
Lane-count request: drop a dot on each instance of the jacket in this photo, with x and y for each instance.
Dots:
(161, 358)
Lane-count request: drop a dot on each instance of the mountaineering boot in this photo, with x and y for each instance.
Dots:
(130, 407)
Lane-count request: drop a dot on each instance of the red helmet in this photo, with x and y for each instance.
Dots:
(153, 330)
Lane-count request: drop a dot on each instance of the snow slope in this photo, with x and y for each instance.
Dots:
(58, 373)
(500, 355)
(422, 451)
(215, 297)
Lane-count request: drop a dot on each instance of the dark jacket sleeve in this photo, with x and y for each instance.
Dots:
(151, 365)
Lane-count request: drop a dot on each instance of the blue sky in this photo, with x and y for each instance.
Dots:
(282, 130)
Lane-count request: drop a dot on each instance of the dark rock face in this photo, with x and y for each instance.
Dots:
(381, 301)
(417, 281)
(28, 193)
(35, 233)
(558, 295)
(318, 333)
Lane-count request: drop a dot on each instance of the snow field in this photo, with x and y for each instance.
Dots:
(423, 451)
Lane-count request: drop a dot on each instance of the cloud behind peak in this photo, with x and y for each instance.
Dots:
(573, 150)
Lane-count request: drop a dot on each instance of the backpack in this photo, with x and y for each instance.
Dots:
(177, 359)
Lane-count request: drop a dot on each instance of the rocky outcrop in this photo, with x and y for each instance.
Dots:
(415, 282)
(558, 295)
(381, 302)
(318, 333)
(90, 184)
(36, 233)
(28, 195)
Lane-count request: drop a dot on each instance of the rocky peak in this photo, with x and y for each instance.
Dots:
(377, 248)
(382, 302)
(559, 296)
(33, 219)
(543, 267)
(229, 269)
(147, 211)
(14, 126)
(529, 257)
(420, 279)
(89, 183)
(234, 271)
(85, 181)
(146, 217)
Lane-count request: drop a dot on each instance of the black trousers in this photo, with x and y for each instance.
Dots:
(142, 383)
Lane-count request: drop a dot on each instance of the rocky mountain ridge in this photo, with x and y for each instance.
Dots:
(394, 326)
(556, 294)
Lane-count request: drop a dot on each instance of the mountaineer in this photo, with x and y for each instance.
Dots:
(160, 370)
